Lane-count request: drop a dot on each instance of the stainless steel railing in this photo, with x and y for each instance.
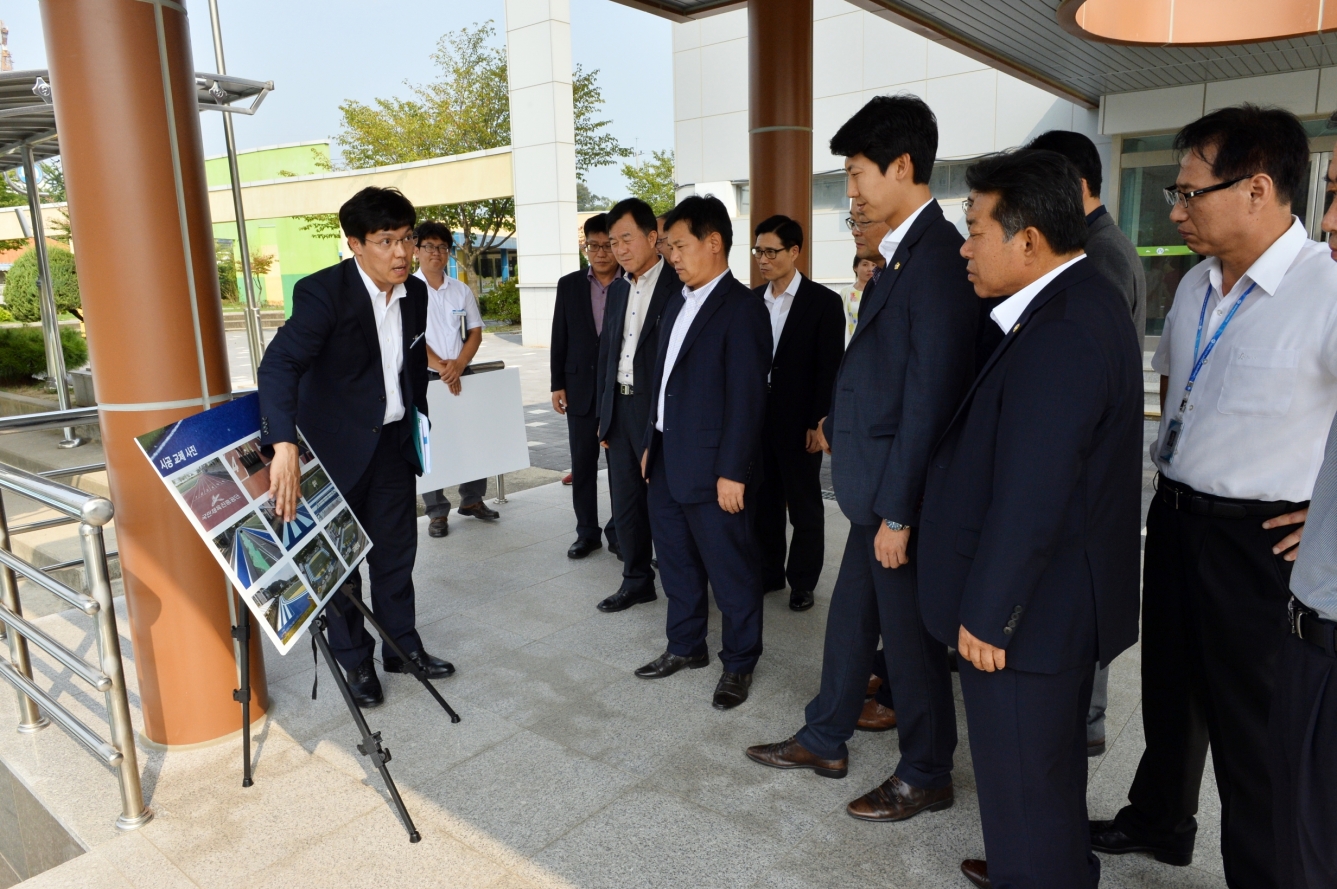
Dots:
(108, 675)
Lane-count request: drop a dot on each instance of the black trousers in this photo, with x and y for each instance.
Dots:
(1213, 623)
(1028, 746)
(1302, 749)
(791, 482)
(869, 599)
(700, 544)
(438, 503)
(384, 502)
(631, 513)
(583, 435)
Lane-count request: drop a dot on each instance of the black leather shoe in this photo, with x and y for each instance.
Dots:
(480, 510)
(364, 685)
(438, 527)
(624, 599)
(582, 548)
(615, 549)
(432, 667)
(1107, 837)
(731, 690)
(668, 664)
(800, 600)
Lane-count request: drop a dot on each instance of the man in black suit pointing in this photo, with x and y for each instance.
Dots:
(350, 368)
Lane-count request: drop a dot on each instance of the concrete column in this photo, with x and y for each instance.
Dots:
(130, 142)
(779, 49)
(543, 155)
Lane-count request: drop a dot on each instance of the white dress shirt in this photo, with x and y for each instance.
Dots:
(893, 238)
(445, 309)
(638, 303)
(1255, 425)
(390, 332)
(779, 307)
(693, 300)
(1007, 312)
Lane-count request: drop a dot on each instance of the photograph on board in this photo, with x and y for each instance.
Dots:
(285, 603)
(317, 562)
(248, 463)
(249, 549)
(322, 496)
(288, 533)
(348, 538)
(210, 493)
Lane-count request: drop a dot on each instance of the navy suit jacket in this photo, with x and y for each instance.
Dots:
(803, 370)
(575, 344)
(647, 347)
(1030, 537)
(716, 394)
(323, 372)
(910, 360)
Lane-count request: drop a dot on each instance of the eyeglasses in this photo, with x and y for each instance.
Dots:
(660, 242)
(434, 249)
(1174, 197)
(768, 252)
(387, 243)
(853, 224)
(591, 249)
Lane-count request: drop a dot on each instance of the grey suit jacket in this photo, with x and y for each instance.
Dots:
(1115, 257)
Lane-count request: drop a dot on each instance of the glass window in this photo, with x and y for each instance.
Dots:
(743, 196)
(1145, 218)
(828, 193)
(948, 180)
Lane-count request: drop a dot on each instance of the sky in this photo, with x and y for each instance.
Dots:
(321, 52)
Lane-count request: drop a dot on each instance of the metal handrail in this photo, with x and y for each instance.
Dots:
(77, 416)
(92, 513)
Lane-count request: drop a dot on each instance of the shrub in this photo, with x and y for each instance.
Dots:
(502, 303)
(21, 294)
(227, 279)
(5, 315)
(23, 354)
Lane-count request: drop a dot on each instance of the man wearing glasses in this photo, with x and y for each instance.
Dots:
(1248, 365)
(454, 333)
(350, 369)
(577, 321)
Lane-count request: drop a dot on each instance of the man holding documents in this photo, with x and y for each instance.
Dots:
(350, 369)
(454, 333)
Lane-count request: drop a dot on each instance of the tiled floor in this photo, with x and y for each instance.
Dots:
(566, 771)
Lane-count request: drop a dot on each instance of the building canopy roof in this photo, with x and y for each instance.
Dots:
(1026, 39)
(28, 116)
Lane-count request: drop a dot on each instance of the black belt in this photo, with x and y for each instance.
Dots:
(1184, 498)
(1313, 629)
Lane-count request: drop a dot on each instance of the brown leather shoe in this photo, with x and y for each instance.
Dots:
(790, 754)
(977, 872)
(894, 800)
(874, 683)
(875, 717)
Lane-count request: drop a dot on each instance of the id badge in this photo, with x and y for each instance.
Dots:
(1167, 453)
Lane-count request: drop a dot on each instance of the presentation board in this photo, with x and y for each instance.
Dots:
(214, 468)
(478, 433)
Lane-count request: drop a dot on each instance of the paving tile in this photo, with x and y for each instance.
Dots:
(84, 872)
(532, 682)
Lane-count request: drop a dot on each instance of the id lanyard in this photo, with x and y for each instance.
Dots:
(1177, 424)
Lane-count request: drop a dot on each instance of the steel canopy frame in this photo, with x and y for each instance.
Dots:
(28, 135)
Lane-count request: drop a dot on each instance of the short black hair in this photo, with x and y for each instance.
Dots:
(641, 214)
(434, 229)
(787, 230)
(888, 127)
(703, 214)
(1034, 188)
(596, 225)
(858, 259)
(1079, 150)
(376, 209)
(1251, 140)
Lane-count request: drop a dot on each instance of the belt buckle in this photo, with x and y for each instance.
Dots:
(1295, 615)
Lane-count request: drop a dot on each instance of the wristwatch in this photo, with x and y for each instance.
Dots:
(896, 526)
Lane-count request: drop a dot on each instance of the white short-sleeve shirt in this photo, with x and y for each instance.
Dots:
(445, 310)
(1258, 417)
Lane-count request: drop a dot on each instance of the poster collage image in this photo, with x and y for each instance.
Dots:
(285, 570)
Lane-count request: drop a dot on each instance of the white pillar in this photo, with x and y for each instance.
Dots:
(543, 155)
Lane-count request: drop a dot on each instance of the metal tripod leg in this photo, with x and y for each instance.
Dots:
(371, 741)
(417, 672)
(242, 634)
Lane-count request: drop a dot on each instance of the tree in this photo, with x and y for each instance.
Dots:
(588, 200)
(22, 297)
(467, 108)
(652, 181)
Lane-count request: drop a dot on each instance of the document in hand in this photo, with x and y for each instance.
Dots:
(217, 473)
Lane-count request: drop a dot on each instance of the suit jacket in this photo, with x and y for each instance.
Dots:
(1115, 257)
(323, 372)
(1030, 536)
(803, 370)
(905, 369)
(575, 344)
(716, 393)
(647, 347)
